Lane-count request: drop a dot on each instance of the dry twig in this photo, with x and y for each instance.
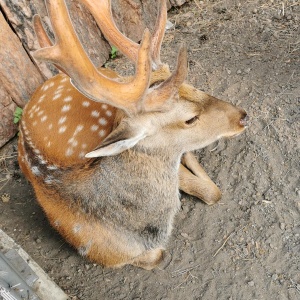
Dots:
(223, 245)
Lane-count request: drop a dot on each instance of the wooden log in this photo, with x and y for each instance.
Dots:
(19, 77)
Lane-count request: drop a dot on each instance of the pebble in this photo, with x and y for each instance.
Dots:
(251, 283)
(282, 226)
(185, 235)
(245, 251)
(274, 277)
(238, 72)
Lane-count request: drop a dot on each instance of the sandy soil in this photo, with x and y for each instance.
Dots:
(248, 245)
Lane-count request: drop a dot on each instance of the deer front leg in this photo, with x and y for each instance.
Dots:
(193, 180)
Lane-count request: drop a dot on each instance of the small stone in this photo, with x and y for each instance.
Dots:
(238, 72)
(185, 235)
(245, 251)
(5, 198)
(251, 283)
(254, 11)
(274, 277)
(282, 226)
(228, 72)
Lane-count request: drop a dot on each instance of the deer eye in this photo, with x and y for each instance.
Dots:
(192, 120)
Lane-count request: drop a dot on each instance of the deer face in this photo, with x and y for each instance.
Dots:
(188, 125)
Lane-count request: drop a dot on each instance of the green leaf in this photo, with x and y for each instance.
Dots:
(113, 52)
(18, 114)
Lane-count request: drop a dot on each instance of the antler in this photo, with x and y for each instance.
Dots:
(167, 89)
(69, 54)
(131, 95)
(101, 11)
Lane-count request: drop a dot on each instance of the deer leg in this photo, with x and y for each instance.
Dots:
(193, 180)
(149, 259)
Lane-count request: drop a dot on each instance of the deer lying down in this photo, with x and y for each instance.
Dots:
(103, 152)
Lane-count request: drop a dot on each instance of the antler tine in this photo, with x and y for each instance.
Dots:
(155, 100)
(159, 32)
(40, 32)
(70, 55)
(101, 11)
(43, 39)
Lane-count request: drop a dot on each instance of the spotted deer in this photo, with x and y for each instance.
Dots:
(107, 155)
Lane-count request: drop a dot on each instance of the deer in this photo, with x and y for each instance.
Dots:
(107, 155)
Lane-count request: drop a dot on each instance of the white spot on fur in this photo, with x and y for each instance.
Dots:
(40, 113)
(56, 223)
(48, 144)
(36, 151)
(102, 121)
(83, 146)
(102, 132)
(44, 118)
(69, 152)
(41, 98)
(66, 108)
(94, 127)
(56, 97)
(86, 103)
(41, 159)
(78, 129)
(84, 250)
(49, 179)
(62, 129)
(65, 78)
(36, 171)
(51, 84)
(68, 99)
(76, 228)
(75, 143)
(108, 113)
(52, 167)
(50, 126)
(81, 154)
(62, 120)
(95, 113)
(104, 106)
(45, 87)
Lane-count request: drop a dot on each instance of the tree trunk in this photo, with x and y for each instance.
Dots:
(20, 74)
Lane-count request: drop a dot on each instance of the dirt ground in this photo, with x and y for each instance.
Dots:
(245, 247)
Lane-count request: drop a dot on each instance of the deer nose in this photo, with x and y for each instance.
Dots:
(244, 120)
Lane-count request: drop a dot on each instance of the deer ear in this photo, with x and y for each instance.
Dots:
(121, 139)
